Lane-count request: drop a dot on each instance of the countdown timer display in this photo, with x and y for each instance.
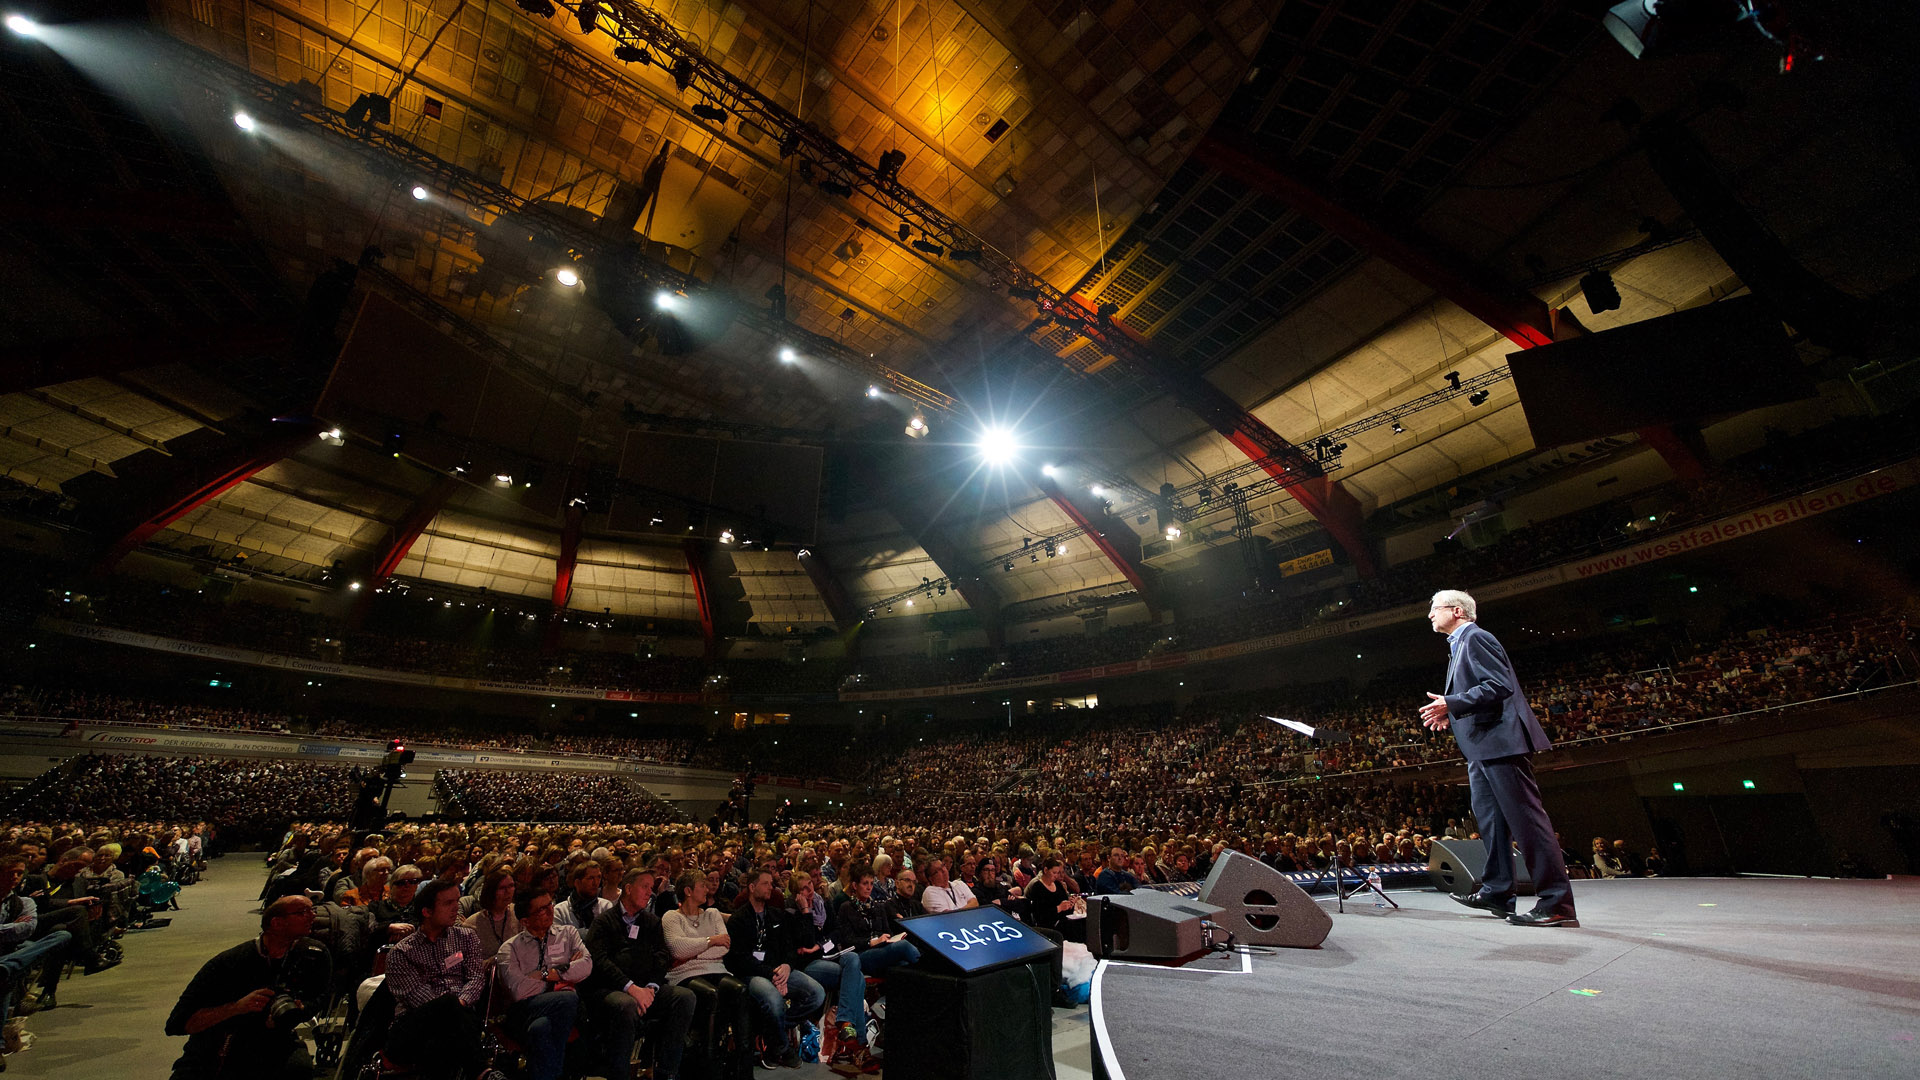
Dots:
(977, 939)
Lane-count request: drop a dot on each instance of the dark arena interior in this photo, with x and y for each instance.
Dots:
(714, 539)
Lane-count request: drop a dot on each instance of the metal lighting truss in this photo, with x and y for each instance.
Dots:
(650, 35)
(394, 152)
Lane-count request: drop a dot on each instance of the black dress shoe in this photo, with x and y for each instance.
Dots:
(1486, 901)
(1543, 918)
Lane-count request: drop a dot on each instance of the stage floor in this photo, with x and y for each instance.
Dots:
(1667, 977)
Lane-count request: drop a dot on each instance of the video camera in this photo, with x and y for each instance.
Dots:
(301, 987)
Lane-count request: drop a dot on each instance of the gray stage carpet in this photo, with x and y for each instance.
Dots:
(1671, 978)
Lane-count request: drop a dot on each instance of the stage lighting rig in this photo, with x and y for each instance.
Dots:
(929, 247)
(683, 74)
(370, 109)
(542, 8)
(1601, 293)
(632, 54)
(711, 113)
(587, 14)
(891, 162)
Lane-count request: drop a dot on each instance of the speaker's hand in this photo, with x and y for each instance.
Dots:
(1434, 715)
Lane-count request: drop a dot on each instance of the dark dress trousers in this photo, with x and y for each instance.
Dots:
(1498, 734)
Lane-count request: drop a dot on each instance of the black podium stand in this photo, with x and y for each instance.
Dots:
(979, 1005)
(996, 1025)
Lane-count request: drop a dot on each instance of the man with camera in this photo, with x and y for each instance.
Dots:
(239, 1012)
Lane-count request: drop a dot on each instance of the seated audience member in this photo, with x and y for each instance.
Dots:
(584, 904)
(495, 920)
(1655, 865)
(373, 883)
(439, 983)
(629, 983)
(1631, 863)
(1604, 863)
(1051, 901)
(1116, 878)
(228, 1012)
(825, 961)
(61, 906)
(906, 900)
(696, 934)
(989, 888)
(396, 916)
(943, 893)
(760, 954)
(862, 925)
(19, 948)
(1087, 872)
(883, 877)
(540, 965)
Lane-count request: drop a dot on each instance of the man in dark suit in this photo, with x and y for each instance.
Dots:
(1498, 735)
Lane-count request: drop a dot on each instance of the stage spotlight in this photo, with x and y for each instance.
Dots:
(542, 8)
(890, 165)
(586, 15)
(1049, 470)
(1478, 397)
(726, 536)
(787, 355)
(929, 247)
(1600, 291)
(632, 54)
(244, 122)
(1097, 491)
(1173, 533)
(835, 187)
(971, 255)
(713, 113)
(333, 437)
(1007, 566)
(873, 391)
(905, 232)
(917, 427)
(503, 479)
(997, 446)
(567, 276)
(683, 74)
(1063, 547)
(1453, 379)
(23, 26)
(789, 144)
(665, 300)
(1023, 292)
(419, 193)
(1398, 429)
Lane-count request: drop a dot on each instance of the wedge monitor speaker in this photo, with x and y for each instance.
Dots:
(1147, 925)
(1259, 906)
(1459, 866)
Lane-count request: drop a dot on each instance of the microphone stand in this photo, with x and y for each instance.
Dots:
(1341, 894)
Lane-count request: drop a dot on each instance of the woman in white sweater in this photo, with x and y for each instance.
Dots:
(696, 934)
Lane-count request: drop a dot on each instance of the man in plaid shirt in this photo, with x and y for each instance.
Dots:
(439, 984)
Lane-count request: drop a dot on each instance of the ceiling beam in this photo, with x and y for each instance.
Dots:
(198, 480)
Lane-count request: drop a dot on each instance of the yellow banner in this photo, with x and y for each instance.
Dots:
(1323, 557)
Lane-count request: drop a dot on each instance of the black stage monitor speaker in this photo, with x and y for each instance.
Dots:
(1146, 925)
(1458, 866)
(1259, 906)
(996, 1025)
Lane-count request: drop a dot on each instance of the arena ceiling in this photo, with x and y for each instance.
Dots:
(161, 263)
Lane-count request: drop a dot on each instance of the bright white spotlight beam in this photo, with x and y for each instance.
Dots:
(243, 121)
(23, 26)
(997, 446)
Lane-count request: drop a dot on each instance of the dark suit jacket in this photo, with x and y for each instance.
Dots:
(617, 958)
(742, 934)
(1491, 718)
